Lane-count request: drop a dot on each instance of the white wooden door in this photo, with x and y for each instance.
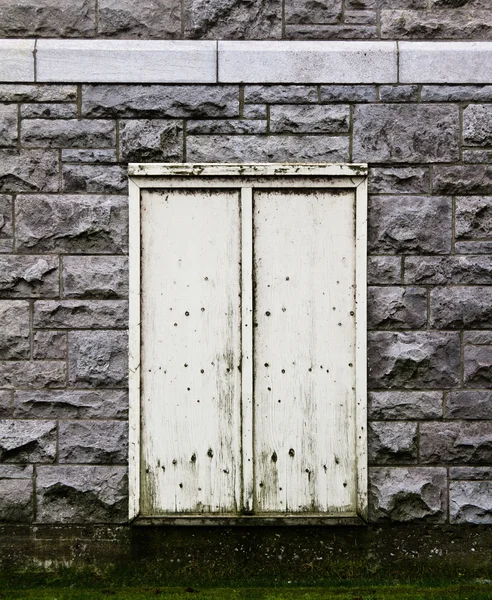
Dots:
(247, 350)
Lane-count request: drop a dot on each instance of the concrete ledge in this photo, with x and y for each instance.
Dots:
(307, 62)
(445, 62)
(126, 61)
(17, 60)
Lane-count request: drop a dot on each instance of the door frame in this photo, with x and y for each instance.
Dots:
(255, 175)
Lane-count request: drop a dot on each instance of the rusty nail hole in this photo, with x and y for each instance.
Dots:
(147, 470)
(181, 485)
(274, 457)
(345, 484)
(261, 483)
(339, 324)
(186, 364)
(228, 370)
(352, 313)
(283, 370)
(325, 468)
(267, 365)
(283, 309)
(226, 471)
(188, 389)
(175, 324)
(310, 369)
(351, 365)
(202, 309)
(175, 462)
(187, 314)
(210, 453)
(287, 278)
(269, 389)
(337, 460)
(206, 278)
(267, 313)
(202, 371)
(193, 458)
(279, 401)
(292, 452)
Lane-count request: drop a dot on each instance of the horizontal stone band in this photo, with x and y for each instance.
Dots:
(170, 61)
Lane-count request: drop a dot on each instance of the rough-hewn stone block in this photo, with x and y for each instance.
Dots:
(16, 472)
(8, 125)
(478, 366)
(399, 93)
(414, 360)
(94, 179)
(396, 308)
(68, 133)
(470, 473)
(95, 277)
(383, 270)
(345, 31)
(448, 269)
(309, 11)
(6, 406)
(49, 345)
(15, 92)
(456, 93)
(151, 141)
(477, 156)
(459, 180)
(360, 17)
(399, 225)
(103, 442)
(392, 443)
(474, 217)
(89, 156)
(6, 232)
(68, 404)
(470, 502)
(32, 375)
(407, 494)
(348, 93)
(399, 180)
(160, 19)
(405, 405)
(29, 276)
(15, 339)
(252, 111)
(406, 133)
(16, 505)
(458, 442)
(436, 24)
(160, 101)
(473, 247)
(76, 224)
(98, 358)
(477, 125)
(81, 494)
(461, 307)
(29, 171)
(477, 337)
(49, 111)
(469, 404)
(309, 119)
(280, 94)
(27, 441)
(81, 314)
(242, 126)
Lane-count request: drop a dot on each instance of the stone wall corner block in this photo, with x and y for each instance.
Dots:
(17, 60)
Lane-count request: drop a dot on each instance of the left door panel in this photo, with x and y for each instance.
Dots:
(191, 352)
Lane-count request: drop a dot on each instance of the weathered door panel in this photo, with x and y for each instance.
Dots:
(304, 351)
(190, 352)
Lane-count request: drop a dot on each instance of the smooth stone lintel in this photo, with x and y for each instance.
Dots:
(17, 60)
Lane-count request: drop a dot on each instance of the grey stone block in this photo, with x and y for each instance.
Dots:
(68, 404)
(417, 225)
(6, 231)
(477, 337)
(93, 442)
(414, 360)
(32, 375)
(95, 277)
(459, 3)
(361, 4)
(94, 179)
(473, 247)
(399, 93)
(469, 404)
(399, 180)
(456, 93)
(383, 270)
(15, 341)
(248, 148)
(461, 308)
(477, 125)
(459, 180)
(478, 366)
(49, 345)
(253, 111)
(29, 171)
(483, 157)
(160, 101)
(228, 126)
(29, 276)
(81, 494)
(470, 473)
(49, 111)
(16, 501)
(458, 442)
(423, 134)
(68, 133)
(75, 224)
(392, 443)
(81, 314)
(331, 32)
(6, 405)
(153, 19)
(15, 92)
(16, 472)
(474, 217)
(151, 141)
(89, 156)
(280, 94)
(309, 119)
(8, 125)
(401, 494)
(313, 11)
(448, 269)
(47, 18)
(233, 20)
(348, 93)
(396, 308)
(360, 17)
(98, 358)
(470, 502)
(405, 405)
(27, 441)
(409, 4)
(436, 24)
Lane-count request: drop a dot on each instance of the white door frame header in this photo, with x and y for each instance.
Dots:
(188, 61)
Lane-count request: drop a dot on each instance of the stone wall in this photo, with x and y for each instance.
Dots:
(254, 19)
(64, 281)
